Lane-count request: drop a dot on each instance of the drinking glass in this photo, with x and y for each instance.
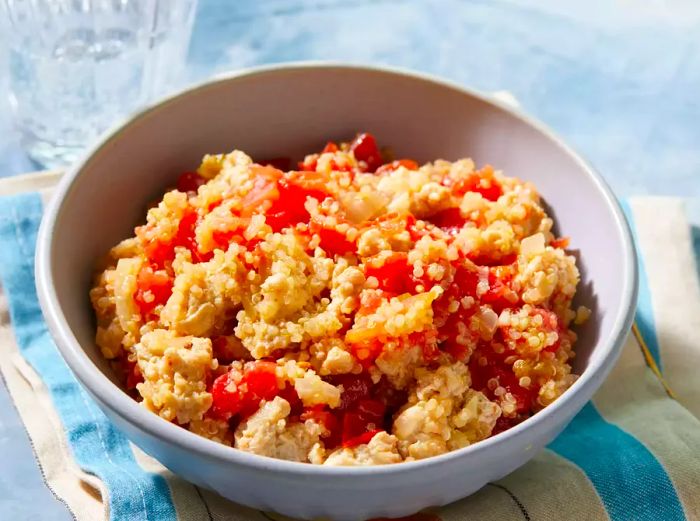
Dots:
(76, 66)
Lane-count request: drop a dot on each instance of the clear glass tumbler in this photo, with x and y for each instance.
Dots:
(76, 66)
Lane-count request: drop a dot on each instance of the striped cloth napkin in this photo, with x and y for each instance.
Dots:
(633, 453)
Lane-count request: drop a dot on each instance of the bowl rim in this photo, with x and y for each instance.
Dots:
(112, 397)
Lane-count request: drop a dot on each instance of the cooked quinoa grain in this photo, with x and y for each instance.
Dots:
(351, 311)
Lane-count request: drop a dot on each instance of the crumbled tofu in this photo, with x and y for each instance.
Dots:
(443, 413)
(268, 433)
(381, 450)
(175, 371)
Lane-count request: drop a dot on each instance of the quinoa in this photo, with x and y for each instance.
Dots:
(350, 311)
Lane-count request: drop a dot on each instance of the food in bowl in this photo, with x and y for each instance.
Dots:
(355, 310)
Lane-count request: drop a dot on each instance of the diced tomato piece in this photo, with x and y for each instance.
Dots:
(491, 193)
(222, 239)
(395, 165)
(283, 214)
(371, 410)
(355, 387)
(357, 414)
(334, 242)
(159, 252)
(185, 230)
(450, 220)
(561, 242)
(392, 398)
(524, 398)
(219, 346)
(235, 393)
(153, 288)
(463, 284)
(214, 204)
(330, 147)
(496, 298)
(333, 436)
(282, 197)
(364, 147)
(260, 382)
(459, 345)
(457, 351)
(499, 295)
(222, 348)
(133, 375)
(317, 413)
(186, 236)
(226, 395)
(229, 326)
(314, 184)
(365, 414)
(550, 322)
(428, 342)
(480, 374)
(261, 376)
(357, 427)
(394, 223)
(290, 394)
(354, 425)
(481, 181)
(309, 163)
(503, 424)
(235, 233)
(328, 420)
(496, 368)
(465, 281)
(367, 351)
(392, 272)
(488, 260)
(288, 209)
(361, 439)
(190, 182)
(280, 163)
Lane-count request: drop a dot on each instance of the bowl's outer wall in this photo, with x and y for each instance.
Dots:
(345, 498)
(290, 112)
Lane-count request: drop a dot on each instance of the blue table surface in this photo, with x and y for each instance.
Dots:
(619, 80)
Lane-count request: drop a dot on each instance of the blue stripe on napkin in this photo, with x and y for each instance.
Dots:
(627, 476)
(99, 448)
(645, 313)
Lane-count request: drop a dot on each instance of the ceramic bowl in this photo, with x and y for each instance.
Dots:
(289, 110)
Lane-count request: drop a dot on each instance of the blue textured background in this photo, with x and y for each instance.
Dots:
(618, 79)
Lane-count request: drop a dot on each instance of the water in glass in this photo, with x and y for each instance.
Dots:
(77, 66)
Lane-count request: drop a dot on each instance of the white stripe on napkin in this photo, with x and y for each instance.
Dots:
(80, 491)
(665, 243)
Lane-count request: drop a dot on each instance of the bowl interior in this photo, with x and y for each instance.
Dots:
(287, 112)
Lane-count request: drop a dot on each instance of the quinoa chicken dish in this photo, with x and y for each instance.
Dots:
(352, 310)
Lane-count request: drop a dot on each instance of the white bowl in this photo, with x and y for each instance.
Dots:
(289, 110)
